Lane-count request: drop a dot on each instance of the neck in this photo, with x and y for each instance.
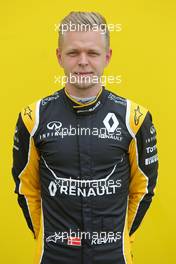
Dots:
(83, 92)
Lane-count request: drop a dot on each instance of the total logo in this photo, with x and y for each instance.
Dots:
(113, 130)
(151, 149)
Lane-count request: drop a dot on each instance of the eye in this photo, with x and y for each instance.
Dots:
(72, 53)
(93, 53)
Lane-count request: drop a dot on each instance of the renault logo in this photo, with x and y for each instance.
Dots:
(111, 122)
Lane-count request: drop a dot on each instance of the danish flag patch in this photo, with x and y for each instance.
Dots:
(74, 241)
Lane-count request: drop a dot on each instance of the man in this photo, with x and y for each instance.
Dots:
(85, 159)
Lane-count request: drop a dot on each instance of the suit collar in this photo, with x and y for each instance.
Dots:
(88, 108)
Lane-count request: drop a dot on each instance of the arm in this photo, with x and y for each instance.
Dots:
(144, 169)
(26, 173)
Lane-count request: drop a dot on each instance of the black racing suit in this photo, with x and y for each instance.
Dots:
(85, 176)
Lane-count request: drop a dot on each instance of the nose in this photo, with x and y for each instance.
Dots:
(83, 60)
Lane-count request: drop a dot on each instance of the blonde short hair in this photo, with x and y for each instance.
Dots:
(84, 21)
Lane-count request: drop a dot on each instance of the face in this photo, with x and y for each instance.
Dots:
(83, 56)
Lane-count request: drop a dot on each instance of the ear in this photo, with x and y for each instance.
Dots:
(108, 56)
(59, 57)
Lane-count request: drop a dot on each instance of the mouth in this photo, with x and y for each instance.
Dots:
(83, 73)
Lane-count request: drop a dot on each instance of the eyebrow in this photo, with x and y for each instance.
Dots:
(72, 50)
(77, 50)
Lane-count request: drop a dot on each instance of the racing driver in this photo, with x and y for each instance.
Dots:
(84, 159)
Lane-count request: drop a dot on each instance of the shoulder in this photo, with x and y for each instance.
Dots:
(53, 97)
(135, 114)
(30, 114)
(116, 99)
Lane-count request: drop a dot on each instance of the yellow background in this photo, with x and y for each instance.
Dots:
(143, 54)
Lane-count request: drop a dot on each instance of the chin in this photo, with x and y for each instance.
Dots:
(84, 85)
